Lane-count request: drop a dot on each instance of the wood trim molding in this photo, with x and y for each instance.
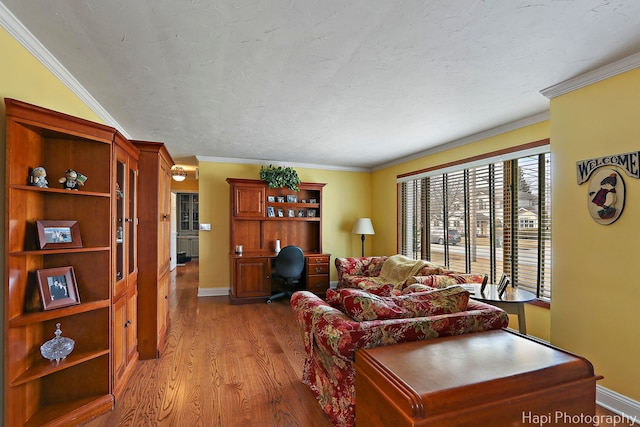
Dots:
(496, 153)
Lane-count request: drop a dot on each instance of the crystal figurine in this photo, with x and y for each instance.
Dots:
(57, 348)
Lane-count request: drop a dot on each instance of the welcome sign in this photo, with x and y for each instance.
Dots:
(629, 162)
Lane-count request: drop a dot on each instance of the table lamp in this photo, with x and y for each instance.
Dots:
(363, 226)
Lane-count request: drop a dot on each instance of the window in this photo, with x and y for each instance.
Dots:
(490, 216)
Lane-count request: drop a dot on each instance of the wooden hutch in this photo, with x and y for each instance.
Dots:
(261, 215)
(102, 320)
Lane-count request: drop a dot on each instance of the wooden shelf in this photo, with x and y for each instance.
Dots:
(60, 251)
(79, 193)
(45, 367)
(71, 412)
(43, 316)
(39, 392)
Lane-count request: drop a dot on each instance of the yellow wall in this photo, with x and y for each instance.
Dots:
(189, 185)
(24, 78)
(345, 198)
(595, 277)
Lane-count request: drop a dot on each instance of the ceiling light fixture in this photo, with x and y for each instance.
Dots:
(178, 173)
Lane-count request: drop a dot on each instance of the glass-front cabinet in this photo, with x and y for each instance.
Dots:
(188, 214)
(126, 225)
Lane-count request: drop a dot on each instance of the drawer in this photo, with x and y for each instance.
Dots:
(318, 284)
(318, 259)
(318, 269)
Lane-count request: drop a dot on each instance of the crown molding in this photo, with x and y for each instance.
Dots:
(280, 163)
(517, 124)
(602, 73)
(19, 32)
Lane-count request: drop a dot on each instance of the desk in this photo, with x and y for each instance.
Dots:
(492, 378)
(251, 275)
(512, 301)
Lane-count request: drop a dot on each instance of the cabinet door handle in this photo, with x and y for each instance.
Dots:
(126, 325)
(318, 270)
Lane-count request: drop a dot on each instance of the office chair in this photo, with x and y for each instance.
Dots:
(289, 265)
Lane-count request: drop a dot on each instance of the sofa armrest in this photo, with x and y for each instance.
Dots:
(361, 266)
(339, 335)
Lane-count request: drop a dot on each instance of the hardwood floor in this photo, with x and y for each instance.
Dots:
(223, 365)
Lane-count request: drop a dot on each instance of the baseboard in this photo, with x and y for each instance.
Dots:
(618, 403)
(213, 292)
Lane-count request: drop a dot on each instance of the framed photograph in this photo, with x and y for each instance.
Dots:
(271, 199)
(58, 287)
(280, 199)
(280, 213)
(311, 213)
(292, 213)
(271, 213)
(301, 213)
(484, 283)
(313, 201)
(58, 234)
(304, 200)
(502, 285)
(292, 198)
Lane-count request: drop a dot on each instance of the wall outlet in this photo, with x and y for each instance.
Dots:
(205, 227)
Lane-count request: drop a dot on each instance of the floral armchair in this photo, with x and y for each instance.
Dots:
(331, 339)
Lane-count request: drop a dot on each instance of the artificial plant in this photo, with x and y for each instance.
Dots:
(278, 177)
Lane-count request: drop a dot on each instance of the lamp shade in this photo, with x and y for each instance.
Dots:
(363, 226)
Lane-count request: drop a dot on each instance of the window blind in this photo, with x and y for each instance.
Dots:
(490, 218)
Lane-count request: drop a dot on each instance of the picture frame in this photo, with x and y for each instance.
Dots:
(292, 213)
(280, 213)
(271, 213)
(58, 234)
(301, 213)
(280, 199)
(271, 199)
(313, 201)
(58, 287)
(502, 285)
(311, 213)
(483, 286)
(292, 198)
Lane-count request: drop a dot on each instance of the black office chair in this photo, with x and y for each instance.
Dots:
(289, 265)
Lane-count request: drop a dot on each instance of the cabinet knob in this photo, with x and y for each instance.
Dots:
(126, 325)
(166, 297)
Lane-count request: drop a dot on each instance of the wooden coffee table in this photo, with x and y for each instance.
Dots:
(512, 301)
(491, 378)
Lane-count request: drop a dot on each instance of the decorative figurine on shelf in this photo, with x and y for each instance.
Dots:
(57, 348)
(119, 192)
(72, 180)
(38, 177)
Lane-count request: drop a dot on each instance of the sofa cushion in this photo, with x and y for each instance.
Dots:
(416, 287)
(434, 302)
(364, 306)
(444, 280)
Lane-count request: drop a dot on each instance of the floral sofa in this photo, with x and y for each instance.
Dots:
(332, 335)
(368, 273)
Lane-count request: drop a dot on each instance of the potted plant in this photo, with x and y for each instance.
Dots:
(278, 177)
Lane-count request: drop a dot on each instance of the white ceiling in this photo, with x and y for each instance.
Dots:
(354, 83)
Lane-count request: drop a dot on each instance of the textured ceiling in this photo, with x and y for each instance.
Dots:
(343, 83)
